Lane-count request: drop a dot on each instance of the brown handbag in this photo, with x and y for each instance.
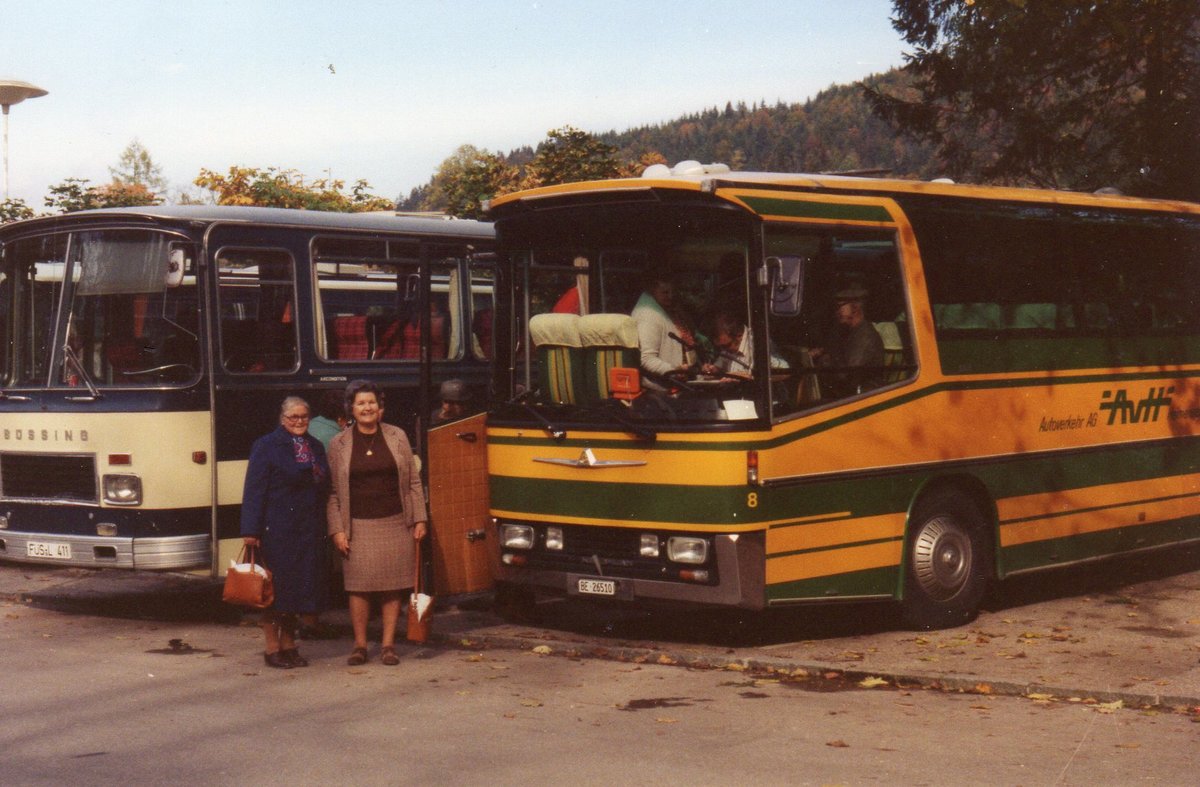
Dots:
(420, 608)
(248, 582)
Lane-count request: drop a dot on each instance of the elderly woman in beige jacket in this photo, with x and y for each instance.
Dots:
(376, 516)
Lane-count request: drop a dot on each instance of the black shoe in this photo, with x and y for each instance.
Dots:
(294, 658)
(278, 660)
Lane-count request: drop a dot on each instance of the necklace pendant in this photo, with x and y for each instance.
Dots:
(370, 452)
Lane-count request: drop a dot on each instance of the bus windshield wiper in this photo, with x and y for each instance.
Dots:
(74, 360)
(557, 432)
(637, 430)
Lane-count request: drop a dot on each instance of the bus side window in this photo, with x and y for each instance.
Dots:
(257, 306)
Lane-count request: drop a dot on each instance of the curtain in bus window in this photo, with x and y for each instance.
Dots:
(122, 265)
(124, 326)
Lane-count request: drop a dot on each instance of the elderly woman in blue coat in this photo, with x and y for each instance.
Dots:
(283, 511)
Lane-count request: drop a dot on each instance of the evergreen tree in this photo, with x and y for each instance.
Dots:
(1071, 94)
(137, 168)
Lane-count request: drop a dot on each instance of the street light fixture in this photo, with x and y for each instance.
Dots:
(13, 92)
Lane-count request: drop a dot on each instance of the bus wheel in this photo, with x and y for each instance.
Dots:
(947, 567)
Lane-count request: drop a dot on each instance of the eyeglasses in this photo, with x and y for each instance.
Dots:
(296, 418)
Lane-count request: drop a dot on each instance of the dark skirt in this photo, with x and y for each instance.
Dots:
(382, 555)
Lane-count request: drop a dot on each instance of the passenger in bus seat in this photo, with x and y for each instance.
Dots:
(283, 504)
(376, 516)
(856, 345)
(657, 320)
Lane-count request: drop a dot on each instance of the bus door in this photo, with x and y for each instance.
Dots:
(255, 354)
(458, 507)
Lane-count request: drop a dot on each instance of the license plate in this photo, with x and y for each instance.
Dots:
(598, 587)
(48, 549)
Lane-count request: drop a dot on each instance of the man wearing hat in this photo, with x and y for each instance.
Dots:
(856, 345)
(455, 399)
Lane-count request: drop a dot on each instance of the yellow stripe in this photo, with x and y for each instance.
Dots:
(838, 561)
(827, 534)
(679, 468)
(1113, 498)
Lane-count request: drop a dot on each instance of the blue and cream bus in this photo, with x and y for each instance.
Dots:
(145, 349)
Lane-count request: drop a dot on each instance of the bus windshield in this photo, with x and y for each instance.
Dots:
(619, 318)
(128, 314)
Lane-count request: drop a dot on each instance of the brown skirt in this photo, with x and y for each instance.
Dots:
(382, 554)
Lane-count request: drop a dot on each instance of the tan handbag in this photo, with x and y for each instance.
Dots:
(420, 608)
(248, 582)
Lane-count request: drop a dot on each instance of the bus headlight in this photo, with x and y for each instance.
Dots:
(649, 545)
(123, 490)
(687, 549)
(516, 536)
(554, 538)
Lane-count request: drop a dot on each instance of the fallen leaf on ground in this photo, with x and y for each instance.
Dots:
(872, 682)
(666, 720)
(543, 650)
(838, 744)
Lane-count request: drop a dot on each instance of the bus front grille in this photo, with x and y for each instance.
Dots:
(57, 477)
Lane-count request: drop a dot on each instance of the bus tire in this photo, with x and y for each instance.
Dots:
(946, 571)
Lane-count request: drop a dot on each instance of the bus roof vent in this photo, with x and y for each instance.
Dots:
(684, 168)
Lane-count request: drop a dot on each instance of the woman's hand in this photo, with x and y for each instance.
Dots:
(341, 544)
(252, 541)
(419, 531)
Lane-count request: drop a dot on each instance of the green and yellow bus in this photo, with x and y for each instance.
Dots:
(927, 387)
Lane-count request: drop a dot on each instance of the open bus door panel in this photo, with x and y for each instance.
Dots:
(458, 507)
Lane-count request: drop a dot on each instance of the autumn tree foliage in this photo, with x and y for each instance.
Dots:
(14, 210)
(568, 155)
(287, 188)
(467, 178)
(1068, 94)
(75, 194)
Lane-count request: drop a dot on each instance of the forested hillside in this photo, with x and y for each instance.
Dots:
(834, 131)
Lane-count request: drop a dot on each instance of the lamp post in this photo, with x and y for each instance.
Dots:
(13, 92)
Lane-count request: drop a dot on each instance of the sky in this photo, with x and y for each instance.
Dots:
(385, 91)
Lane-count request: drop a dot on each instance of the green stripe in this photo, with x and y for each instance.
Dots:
(703, 506)
(999, 353)
(773, 206)
(1087, 546)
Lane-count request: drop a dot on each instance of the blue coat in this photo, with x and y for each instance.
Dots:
(283, 504)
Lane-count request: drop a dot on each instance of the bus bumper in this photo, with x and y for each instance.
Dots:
(170, 552)
(740, 560)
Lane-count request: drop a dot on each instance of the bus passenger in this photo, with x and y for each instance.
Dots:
(455, 403)
(734, 342)
(376, 516)
(662, 354)
(286, 482)
(857, 345)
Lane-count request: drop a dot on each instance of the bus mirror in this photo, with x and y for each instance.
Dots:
(786, 280)
(176, 266)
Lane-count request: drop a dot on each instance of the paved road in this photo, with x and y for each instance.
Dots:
(111, 701)
(1122, 631)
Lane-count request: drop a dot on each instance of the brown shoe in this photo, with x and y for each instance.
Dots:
(277, 660)
(388, 656)
(358, 657)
